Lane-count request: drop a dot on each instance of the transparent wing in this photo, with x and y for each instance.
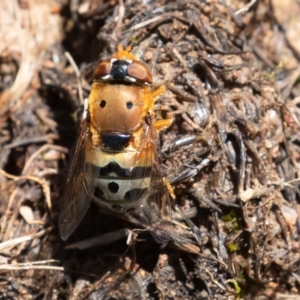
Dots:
(78, 191)
(157, 211)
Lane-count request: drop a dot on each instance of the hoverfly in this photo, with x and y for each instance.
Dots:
(115, 163)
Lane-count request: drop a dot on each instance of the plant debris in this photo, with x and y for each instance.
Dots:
(231, 71)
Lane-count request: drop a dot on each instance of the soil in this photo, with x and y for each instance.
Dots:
(232, 75)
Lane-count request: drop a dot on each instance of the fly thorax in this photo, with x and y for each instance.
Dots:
(117, 108)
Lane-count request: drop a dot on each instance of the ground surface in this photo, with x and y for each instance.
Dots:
(232, 154)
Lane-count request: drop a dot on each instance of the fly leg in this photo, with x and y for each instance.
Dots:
(159, 91)
(163, 124)
(169, 188)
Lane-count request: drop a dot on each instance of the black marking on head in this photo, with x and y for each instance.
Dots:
(102, 104)
(113, 187)
(129, 105)
(119, 69)
(115, 140)
(135, 194)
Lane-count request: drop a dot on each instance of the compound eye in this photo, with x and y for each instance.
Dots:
(103, 69)
(139, 71)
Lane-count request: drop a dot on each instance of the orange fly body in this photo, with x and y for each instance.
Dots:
(115, 163)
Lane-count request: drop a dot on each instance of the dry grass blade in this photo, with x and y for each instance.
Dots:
(14, 242)
(35, 265)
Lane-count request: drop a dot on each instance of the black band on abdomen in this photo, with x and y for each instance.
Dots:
(113, 167)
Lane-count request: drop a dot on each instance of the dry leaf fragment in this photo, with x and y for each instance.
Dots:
(27, 213)
(247, 195)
